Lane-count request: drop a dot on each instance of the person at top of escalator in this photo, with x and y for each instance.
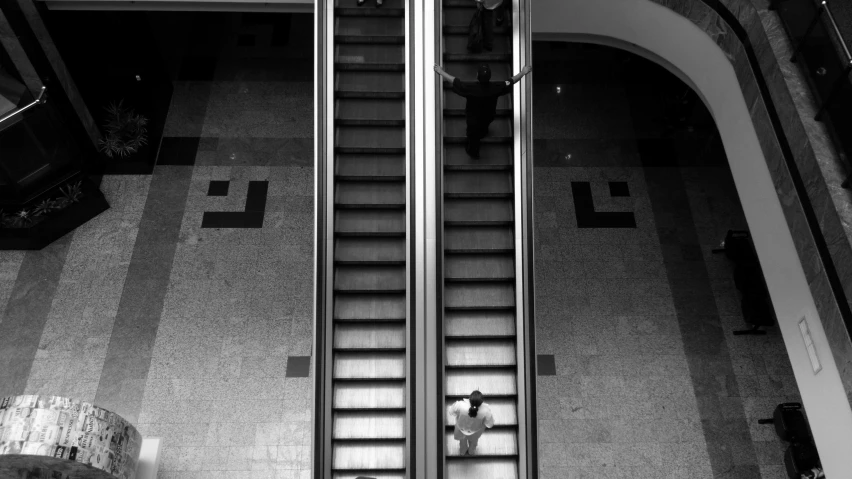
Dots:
(379, 3)
(472, 418)
(488, 9)
(481, 107)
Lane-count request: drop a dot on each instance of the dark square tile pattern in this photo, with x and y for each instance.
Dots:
(546, 365)
(618, 189)
(252, 217)
(587, 217)
(298, 366)
(178, 151)
(218, 188)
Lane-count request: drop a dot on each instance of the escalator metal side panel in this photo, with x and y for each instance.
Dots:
(323, 235)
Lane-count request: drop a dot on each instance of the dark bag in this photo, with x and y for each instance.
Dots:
(474, 33)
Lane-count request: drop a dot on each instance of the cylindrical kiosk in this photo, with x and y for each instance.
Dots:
(51, 437)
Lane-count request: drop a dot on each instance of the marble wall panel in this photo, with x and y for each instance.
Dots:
(817, 162)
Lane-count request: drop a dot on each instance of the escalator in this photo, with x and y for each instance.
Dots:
(479, 259)
(366, 355)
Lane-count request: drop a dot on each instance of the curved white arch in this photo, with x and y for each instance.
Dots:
(660, 34)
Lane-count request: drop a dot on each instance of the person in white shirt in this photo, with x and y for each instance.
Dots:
(472, 418)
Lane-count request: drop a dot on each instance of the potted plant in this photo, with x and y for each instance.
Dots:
(36, 225)
(126, 132)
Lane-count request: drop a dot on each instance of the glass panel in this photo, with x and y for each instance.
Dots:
(36, 152)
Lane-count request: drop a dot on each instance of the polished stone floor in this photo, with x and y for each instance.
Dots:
(631, 304)
(186, 307)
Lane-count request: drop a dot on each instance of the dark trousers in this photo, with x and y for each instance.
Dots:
(477, 129)
(501, 13)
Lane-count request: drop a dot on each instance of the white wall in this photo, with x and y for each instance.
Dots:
(641, 25)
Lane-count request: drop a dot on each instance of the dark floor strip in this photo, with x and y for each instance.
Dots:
(128, 357)
(27, 312)
(723, 418)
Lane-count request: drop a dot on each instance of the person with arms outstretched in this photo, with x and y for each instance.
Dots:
(481, 107)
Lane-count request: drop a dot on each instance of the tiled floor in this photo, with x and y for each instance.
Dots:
(649, 381)
(194, 333)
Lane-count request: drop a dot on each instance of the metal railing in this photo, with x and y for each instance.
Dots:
(38, 101)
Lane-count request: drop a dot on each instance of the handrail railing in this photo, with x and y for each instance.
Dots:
(440, 391)
(323, 145)
(524, 260)
(38, 101)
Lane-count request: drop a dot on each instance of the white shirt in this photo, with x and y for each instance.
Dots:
(471, 425)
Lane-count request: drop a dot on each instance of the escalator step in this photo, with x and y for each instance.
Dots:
(368, 425)
(369, 278)
(375, 395)
(370, 54)
(368, 456)
(347, 109)
(357, 150)
(369, 251)
(368, 122)
(374, 193)
(478, 211)
(477, 466)
(372, 138)
(488, 239)
(489, 156)
(369, 12)
(373, 474)
(370, 67)
(386, 336)
(382, 83)
(494, 382)
(486, 352)
(395, 95)
(483, 184)
(370, 39)
(479, 266)
(366, 222)
(370, 167)
(369, 308)
(479, 295)
(369, 366)
(474, 323)
(366, 26)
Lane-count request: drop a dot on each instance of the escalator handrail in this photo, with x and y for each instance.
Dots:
(524, 229)
(323, 185)
(38, 101)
